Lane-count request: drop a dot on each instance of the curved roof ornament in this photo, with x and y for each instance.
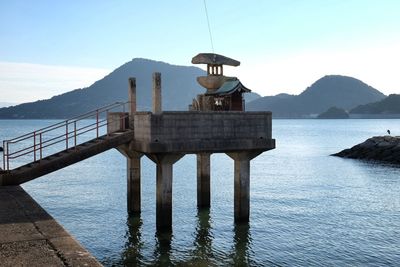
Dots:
(214, 59)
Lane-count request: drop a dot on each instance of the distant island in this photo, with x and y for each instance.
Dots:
(334, 113)
(388, 107)
(178, 82)
(329, 91)
(114, 87)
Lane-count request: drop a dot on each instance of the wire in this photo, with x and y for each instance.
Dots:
(209, 28)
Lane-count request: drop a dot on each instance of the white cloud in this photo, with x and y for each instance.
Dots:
(25, 82)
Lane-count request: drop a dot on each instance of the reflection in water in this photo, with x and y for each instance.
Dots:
(202, 252)
(203, 240)
(131, 255)
(242, 242)
(162, 251)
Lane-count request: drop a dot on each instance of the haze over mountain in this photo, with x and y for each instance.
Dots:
(179, 87)
(329, 91)
(6, 104)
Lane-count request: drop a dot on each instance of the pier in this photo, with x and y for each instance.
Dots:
(31, 237)
(215, 123)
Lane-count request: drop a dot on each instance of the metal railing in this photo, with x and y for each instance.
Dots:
(35, 143)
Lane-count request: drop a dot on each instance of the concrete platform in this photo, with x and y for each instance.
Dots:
(29, 236)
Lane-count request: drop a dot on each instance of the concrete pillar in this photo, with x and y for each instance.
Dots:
(133, 186)
(203, 180)
(164, 164)
(132, 95)
(242, 183)
(156, 93)
(133, 178)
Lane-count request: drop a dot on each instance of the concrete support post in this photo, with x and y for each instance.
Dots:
(203, 180)
(132, 95)
(242, 183)
(133, 186)
(133, 178)
(156, 93)
(164, 164)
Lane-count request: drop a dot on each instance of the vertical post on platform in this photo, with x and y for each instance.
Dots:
(156, 93)
(242, 183)
(203, 180)
(132, 95)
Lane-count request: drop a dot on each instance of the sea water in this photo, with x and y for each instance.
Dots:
(307, 207)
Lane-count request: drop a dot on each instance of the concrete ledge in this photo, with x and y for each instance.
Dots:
(31, 237)
(187, 126)
(203, 145)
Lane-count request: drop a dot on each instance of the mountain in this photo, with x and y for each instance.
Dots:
(389, 105)
(329, 91)
(179, 87)
(248, 97)
(334, 113)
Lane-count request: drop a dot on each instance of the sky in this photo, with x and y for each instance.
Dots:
(49, 47)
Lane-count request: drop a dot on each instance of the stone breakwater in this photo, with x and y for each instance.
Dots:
(377, 148)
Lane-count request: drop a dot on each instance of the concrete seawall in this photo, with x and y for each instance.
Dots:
(29, 236)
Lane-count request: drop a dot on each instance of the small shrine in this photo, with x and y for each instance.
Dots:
(223, 93)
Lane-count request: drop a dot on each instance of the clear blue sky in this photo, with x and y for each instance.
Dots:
(283, 45)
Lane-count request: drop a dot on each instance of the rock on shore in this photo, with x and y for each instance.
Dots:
(379, 148)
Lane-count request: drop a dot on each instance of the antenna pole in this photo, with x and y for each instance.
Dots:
(209, 28)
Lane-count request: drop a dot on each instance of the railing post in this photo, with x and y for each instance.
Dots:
(34, 146)
(75, 134)
(8, 159)
(97, 123)
(66, 134)
(40, 148)
(4, 155)
(107, 122)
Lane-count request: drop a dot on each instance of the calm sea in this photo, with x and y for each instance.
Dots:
(307, 208)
